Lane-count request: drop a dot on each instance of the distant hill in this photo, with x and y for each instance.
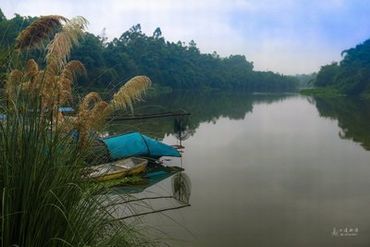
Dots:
(170, 65)
(351, 76)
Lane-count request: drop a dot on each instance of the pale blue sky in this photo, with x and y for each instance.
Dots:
(286, 36)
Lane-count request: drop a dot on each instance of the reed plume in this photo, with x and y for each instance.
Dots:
(32, 69)
(66, 78)
(130, 92)
(72, 69)
(93, 111)
(54, 82)
(12, 83)
(91, 116)
(44, 201)
(40, 30)
(58, 50)
(89, 100)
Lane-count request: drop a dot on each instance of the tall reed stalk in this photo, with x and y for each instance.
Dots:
(44, 201)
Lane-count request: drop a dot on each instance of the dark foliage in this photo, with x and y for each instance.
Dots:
(352, 75)
(168, 64)
(352, 114)
(9, 30)
(174, 65)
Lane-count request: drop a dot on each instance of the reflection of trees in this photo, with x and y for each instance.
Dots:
(182, 130)
(353, 115)
(181, 190)
(204, 107)
(181, 187)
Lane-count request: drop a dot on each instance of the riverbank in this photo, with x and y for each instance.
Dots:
(328, 92)
(325, 92)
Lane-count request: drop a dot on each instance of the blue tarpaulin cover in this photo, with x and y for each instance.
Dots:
(2, 117)
(137, 144)
(66, 109)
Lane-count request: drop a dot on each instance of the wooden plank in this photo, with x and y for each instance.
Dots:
(149, 116)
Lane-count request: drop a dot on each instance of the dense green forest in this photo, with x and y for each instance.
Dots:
(351, 76)
(9, 30)
(169, 65)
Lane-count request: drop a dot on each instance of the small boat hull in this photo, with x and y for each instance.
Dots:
(117, 169)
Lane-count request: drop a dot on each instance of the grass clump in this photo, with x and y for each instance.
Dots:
(44, 200)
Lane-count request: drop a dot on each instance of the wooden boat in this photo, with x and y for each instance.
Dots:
(151, 177)
(116, 169)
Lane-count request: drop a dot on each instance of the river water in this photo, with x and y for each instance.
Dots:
(263, 170)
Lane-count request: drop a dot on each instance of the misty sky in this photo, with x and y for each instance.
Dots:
(286, 36)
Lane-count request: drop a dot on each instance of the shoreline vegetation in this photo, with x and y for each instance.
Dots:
(321, 92)
(45, 199)
(170, 65)
(329, 92)
(350, 77)
(180, 66)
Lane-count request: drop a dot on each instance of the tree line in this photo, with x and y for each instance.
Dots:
(172, 65)
(351, 76)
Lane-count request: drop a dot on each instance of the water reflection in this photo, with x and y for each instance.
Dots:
(181, 187)
(265, 170)
(204, 108)
(353, 115)
(181, 128)
(135, 201)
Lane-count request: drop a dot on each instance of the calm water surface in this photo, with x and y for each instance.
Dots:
(265, 171)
